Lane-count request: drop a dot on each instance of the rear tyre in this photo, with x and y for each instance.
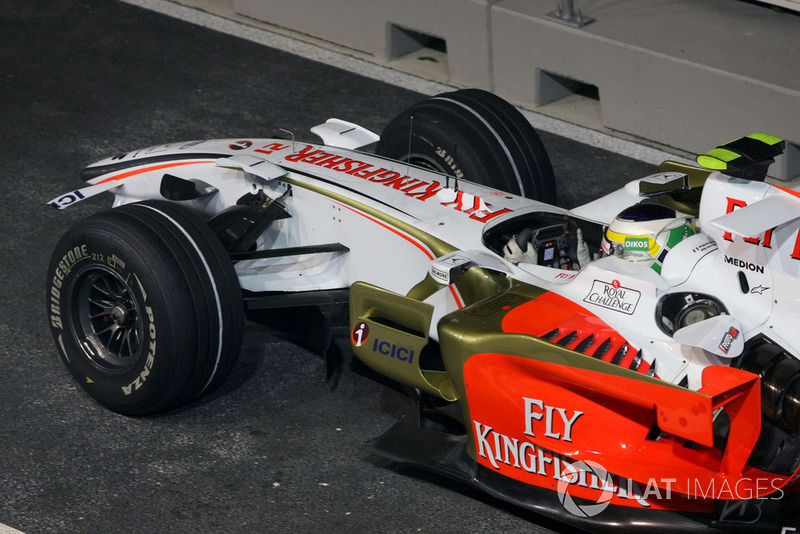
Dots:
(145, 307)
(475, 135)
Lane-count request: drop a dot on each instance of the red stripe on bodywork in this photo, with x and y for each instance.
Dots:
(141, 170)
(411, 240)
(789, 191)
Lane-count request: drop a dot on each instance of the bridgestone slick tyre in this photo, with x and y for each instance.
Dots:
(145, 307)
(475, 135)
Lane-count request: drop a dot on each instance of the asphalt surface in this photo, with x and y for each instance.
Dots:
(277, 448)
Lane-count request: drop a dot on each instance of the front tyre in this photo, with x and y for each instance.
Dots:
(476, 135)
(145, 307)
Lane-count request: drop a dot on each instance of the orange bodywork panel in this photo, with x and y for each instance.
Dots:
(532, 418)
(558, 319)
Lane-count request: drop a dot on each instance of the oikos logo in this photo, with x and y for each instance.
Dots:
(636, 243)
(576, 474)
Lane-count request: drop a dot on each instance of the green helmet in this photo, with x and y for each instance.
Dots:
(645, 233)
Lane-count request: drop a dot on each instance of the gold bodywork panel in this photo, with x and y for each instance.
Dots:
(685, 201)
(390, 333)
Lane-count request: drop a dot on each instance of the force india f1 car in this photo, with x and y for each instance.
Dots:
(629, 363)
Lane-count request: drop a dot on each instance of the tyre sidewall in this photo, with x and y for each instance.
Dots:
(216, 294)
(143, 264)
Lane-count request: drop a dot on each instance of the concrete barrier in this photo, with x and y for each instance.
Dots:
(453, 33)
(680, 73)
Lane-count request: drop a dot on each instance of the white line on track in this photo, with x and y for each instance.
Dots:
(8, 530)
(400, 79)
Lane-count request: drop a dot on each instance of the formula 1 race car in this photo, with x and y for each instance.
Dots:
(630, 363)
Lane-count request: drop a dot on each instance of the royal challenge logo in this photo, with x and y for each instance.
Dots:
(613, 296)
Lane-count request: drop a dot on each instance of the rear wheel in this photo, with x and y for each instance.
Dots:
(145, 307)
(475, 135)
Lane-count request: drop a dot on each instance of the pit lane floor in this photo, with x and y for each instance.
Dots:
(277, 448)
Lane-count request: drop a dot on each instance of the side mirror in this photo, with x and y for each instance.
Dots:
(450, 267)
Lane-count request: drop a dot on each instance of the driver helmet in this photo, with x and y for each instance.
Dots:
(645, 233)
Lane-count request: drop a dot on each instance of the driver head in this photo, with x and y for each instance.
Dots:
(644, 233)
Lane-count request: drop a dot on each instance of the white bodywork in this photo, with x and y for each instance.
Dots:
(392, 218)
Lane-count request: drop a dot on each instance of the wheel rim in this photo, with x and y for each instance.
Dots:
(106, 320)
(425, 162)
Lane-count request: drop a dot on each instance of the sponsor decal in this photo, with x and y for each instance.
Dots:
(766, 241)
(393, 351)
(728, 339)
(705, 247)
(589, 481)
(734, 203)
(475, 207)
(450, 161)
(613, 296)
(535, 410)
(501, 451)
(63, 268)
(65, 200)
(758, 290)
(240, 145)
(270, 148)
(446, 269)
(151, 354)
(636, 243)
(360, 334)
(565, 276)
(742, 264)
(443, 277)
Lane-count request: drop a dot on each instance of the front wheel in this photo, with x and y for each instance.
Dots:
(145, 307)
(475, 135)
